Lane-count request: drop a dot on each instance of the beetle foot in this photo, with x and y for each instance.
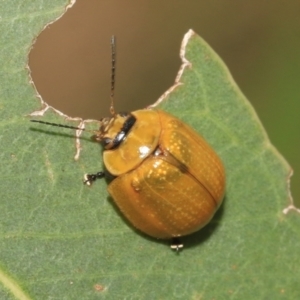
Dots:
(90, 178)
(176, 244)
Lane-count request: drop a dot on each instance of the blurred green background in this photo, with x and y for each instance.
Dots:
(258, 40)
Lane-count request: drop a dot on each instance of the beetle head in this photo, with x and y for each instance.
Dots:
(113, 130)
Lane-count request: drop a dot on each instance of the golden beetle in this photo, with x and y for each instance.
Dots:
(168, 182)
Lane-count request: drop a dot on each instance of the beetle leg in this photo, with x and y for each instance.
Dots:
(90, 178)
(176, 244)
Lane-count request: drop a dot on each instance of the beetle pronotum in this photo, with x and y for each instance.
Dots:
(167, 181)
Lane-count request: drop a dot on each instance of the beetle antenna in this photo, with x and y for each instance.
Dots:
(64, 126)
(113, 67)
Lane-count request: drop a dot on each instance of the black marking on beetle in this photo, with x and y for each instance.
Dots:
(113, 144)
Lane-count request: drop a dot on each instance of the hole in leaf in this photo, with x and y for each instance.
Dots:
(71, 61)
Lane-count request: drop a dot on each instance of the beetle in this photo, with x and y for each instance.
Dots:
(167, 180)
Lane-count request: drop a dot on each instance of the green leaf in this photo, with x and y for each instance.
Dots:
(63, 240)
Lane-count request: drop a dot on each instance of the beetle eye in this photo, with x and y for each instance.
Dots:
(106, 141)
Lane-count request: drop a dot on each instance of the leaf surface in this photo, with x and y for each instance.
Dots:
(62, 240)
